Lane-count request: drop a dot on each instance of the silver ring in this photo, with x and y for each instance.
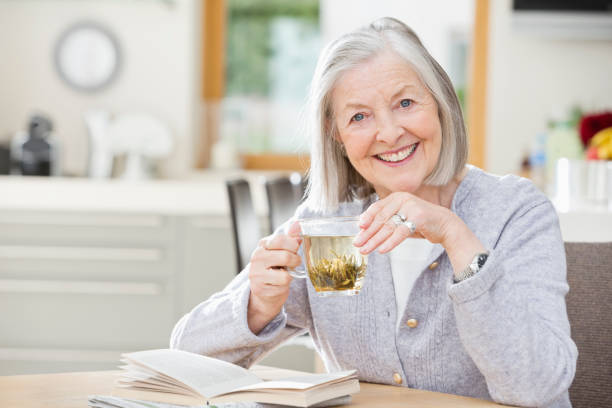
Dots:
(411, 226)
(399, 219)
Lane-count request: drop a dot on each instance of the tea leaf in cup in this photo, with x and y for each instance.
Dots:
(338, 272)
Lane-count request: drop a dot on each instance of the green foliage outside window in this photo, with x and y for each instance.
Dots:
(249, 47)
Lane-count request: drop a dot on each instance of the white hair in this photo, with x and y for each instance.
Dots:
(332, 179)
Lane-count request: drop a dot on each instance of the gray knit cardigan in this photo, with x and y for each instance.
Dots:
(501, 335)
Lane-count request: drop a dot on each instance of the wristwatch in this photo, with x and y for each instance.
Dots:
(473, 268)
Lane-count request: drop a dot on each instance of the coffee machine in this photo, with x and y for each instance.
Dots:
(35, 152)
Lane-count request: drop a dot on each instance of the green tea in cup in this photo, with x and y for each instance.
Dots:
(333, 264)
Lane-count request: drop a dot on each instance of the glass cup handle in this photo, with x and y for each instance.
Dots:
(298, 272)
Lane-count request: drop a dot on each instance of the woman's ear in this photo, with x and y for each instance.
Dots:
(342, 148)
(338, 141)
(333, 130)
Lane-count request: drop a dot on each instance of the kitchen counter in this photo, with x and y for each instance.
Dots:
(202, 193)
(585, 222)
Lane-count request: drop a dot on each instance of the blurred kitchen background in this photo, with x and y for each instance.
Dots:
(122, 122)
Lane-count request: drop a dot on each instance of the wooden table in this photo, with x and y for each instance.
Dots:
(70, 390)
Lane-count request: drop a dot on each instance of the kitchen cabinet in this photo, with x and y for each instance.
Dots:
(89, 270)
(78, 289)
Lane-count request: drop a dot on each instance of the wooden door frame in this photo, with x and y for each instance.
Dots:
(213, 21)
(477, 94)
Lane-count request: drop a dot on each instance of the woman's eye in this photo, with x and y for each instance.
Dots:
(405, 103)
(358, 117)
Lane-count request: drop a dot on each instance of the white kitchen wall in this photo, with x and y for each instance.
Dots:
(530, 78)
(160, 73)
(434, 21)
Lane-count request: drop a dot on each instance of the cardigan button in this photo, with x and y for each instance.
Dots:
(397, 378)
(412, 323)
(434, 265)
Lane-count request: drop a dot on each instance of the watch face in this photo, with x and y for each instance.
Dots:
(482, 258)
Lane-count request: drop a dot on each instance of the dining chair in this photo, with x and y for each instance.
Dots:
(245, 225)
(284, 194)
(589, 307)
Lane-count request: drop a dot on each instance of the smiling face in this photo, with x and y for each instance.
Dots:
(388, 122)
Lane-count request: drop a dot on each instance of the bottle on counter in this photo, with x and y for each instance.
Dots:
(35, 152)
(537, 162)
(563, 141)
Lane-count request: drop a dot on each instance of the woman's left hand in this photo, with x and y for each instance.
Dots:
(436, 223)
(433, 222)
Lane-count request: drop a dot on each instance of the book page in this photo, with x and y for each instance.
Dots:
(157, 386)
(302, 382)
(207, 376)
(301, 398)
(132, 373)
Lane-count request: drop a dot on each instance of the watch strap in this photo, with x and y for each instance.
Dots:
(473, 268)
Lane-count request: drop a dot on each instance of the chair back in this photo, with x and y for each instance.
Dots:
(284, 194)
(245, 224)
(589, 307)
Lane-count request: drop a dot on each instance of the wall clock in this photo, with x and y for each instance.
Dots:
(87, 56)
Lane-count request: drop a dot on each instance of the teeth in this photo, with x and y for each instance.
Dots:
(397, 156)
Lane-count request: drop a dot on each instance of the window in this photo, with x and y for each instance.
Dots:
(272, 49)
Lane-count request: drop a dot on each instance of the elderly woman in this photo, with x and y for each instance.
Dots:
(473, 304)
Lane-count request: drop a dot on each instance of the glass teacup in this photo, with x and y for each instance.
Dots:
(333, 264)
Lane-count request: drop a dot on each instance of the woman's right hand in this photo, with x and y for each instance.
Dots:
(269, 278)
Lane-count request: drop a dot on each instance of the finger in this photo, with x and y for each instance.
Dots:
(369, 215)
(295, 230)
(282, 242)
(280, 259)
(384, 215)
(379, 237)
(365, 219)
(416, 214)
(401, 233)
(275, 277)
(269, 276)
(271, 291)
(380, 215)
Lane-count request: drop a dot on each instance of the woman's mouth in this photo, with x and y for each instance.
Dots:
(398, 156)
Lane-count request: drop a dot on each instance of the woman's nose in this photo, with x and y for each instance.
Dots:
(388, 131)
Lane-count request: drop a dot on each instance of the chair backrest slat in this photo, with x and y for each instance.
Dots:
(245, 224)
(284, 194)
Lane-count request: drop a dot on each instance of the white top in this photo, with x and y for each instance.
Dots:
(407, 261)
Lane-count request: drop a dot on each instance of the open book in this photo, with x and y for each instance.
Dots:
(182, 378)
